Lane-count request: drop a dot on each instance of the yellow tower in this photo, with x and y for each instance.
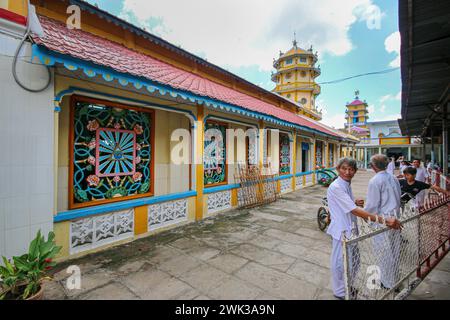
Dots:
(356, 117)
(295, 79)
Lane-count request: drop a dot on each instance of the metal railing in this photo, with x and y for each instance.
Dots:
(382, 263)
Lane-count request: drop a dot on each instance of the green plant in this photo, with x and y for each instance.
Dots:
(23, 278)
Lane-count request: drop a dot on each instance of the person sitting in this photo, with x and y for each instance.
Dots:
(411, 186)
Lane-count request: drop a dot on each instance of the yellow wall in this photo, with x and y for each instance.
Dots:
(168, 178)
(16, 6)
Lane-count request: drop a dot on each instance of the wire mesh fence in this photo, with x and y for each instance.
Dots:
(382, 263)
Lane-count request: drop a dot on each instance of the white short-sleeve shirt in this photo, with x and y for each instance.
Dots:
(383, 195)
(341, 202)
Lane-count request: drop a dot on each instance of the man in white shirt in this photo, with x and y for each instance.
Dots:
(383, 197)
(422, 173)
(344, 210)
(391, 167)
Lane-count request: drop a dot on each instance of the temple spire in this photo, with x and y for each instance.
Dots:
(295, 40)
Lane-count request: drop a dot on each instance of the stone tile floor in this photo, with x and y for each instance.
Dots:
(272, 252)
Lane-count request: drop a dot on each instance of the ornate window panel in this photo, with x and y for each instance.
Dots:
(214, 159)
(331, 154)
(285, 154)
(219, 201)
(167, 213)
(111, 152)
(285, 185)
(252, 157)
(319, 153)
(96, 231)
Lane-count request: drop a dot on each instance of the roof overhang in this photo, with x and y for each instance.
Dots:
(425, 62)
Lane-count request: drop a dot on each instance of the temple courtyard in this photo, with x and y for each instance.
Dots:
(271, 252)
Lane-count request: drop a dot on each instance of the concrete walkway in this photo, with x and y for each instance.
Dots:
(272, 252)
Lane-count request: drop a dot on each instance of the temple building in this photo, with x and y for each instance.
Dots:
(295, 76)
(378, 136)
(89, 151)
(356, 116)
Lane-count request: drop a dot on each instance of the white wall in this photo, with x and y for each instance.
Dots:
(26, 144)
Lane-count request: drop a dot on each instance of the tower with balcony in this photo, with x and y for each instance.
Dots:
(356, 117)
(295, 76)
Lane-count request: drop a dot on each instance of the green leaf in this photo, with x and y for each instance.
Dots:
(21, 264)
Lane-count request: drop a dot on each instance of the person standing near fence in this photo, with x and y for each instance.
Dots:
(383, 197)
(344, 210)
(391, 166)
(422, 173)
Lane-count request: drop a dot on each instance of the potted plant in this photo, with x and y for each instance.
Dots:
(22, 278)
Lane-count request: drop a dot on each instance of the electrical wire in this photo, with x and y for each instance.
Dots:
(16, 56)
(360, 75)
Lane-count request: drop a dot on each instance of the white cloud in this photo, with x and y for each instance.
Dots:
(386, 117)
(392, 44)
(243, 33)
(336, 121)
(371, 108)
(399, 96)
(383, 108)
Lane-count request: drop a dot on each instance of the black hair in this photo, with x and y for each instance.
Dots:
(410, 170)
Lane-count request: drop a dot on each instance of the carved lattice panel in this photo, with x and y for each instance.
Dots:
(285, 185)
(92, 232)
(299, 182)
(219, 201)
(308, 179)
(167, 213)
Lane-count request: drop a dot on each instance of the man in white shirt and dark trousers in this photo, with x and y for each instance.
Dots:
(422, 173)
(383, 197)
(344, 210)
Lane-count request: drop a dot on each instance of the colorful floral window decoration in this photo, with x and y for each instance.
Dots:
(319, 150)
(285, 154)
(112, 153)
(214, 160)
(331, 153)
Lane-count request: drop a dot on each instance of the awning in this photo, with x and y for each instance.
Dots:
(425, 62)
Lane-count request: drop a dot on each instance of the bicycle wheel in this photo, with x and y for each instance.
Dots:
(322, 218)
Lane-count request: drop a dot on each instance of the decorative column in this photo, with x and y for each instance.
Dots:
(261, 144)
(294, 159)
(365, 157)
(314, 160)
(199, 174)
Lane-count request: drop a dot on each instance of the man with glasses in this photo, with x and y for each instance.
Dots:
(344, 210)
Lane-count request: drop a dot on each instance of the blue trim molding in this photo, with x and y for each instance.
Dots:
(76, 90)
(50, 58)
(107, 208)
(221, 188)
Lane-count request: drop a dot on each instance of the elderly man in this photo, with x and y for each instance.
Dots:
(344, 210)
(383, 197)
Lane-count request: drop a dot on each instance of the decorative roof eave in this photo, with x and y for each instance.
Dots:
(158, 41)
(51, 58)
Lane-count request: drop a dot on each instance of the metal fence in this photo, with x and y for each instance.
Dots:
(381, 263)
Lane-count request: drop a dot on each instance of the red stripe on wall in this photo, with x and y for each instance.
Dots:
(12, 16)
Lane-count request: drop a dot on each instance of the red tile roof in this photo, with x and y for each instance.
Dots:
(89, 47)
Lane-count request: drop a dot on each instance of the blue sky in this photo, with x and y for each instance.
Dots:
(352, 37)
